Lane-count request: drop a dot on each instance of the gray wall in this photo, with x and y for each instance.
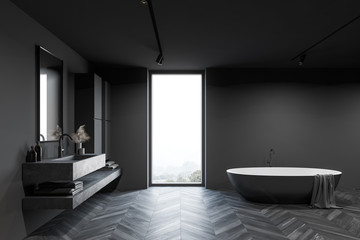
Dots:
(18, 36)
(128, 124)
(310, 117)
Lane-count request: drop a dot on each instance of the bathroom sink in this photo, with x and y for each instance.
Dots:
(70, 158)
(65, 168)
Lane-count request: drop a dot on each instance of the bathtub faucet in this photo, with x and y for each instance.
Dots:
(271, 153)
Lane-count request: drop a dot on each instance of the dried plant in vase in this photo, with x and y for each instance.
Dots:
(79, 137)
(57, 132)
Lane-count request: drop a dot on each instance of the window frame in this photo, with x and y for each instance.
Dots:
(203, 128)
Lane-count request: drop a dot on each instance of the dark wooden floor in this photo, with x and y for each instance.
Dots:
(198, 213)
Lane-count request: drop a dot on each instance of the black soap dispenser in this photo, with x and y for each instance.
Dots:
(38, 151)
(33, 155)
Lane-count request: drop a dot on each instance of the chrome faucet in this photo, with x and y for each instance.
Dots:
(60, 147)
(271, 153)
(42, 137)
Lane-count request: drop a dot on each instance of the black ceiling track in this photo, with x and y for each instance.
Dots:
(303, 53)
(160, 58)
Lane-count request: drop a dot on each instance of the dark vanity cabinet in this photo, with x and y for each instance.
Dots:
(92, 109)
(106, 119)
(88, 109)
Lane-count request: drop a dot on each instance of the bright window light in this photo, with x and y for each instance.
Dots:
(176, 128)
(43, 105)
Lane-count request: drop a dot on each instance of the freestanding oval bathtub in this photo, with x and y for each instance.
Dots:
(277, 184)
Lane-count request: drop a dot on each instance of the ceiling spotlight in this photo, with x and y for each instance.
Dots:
(160, 59)
(302, 60)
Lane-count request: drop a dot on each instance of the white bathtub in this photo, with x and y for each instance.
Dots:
(277, 184)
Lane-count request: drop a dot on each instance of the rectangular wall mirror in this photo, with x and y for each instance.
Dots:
(49, 73)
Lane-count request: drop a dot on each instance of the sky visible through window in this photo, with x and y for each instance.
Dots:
(176, 128)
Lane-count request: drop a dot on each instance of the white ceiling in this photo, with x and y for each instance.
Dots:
(197, 34)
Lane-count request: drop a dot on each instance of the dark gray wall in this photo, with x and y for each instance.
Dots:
(310, 117)
(18, 36)
(129, 124)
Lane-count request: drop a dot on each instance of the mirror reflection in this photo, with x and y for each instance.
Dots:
(50, 78)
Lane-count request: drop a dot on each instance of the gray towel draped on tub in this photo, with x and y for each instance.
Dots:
(323, 192)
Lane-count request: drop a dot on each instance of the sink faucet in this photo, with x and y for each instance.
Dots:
(271, 153)
(60, 147)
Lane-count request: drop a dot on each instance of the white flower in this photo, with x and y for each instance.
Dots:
(57, 133)
(80, 136)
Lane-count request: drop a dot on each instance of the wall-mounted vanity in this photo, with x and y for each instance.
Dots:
(87, 168)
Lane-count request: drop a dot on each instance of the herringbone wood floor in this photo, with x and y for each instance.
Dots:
(198, 213)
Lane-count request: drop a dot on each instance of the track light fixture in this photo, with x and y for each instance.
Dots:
(160, 58)
(302, 54)
(302, 59)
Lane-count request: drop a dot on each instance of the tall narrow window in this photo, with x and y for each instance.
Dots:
(176, 129)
